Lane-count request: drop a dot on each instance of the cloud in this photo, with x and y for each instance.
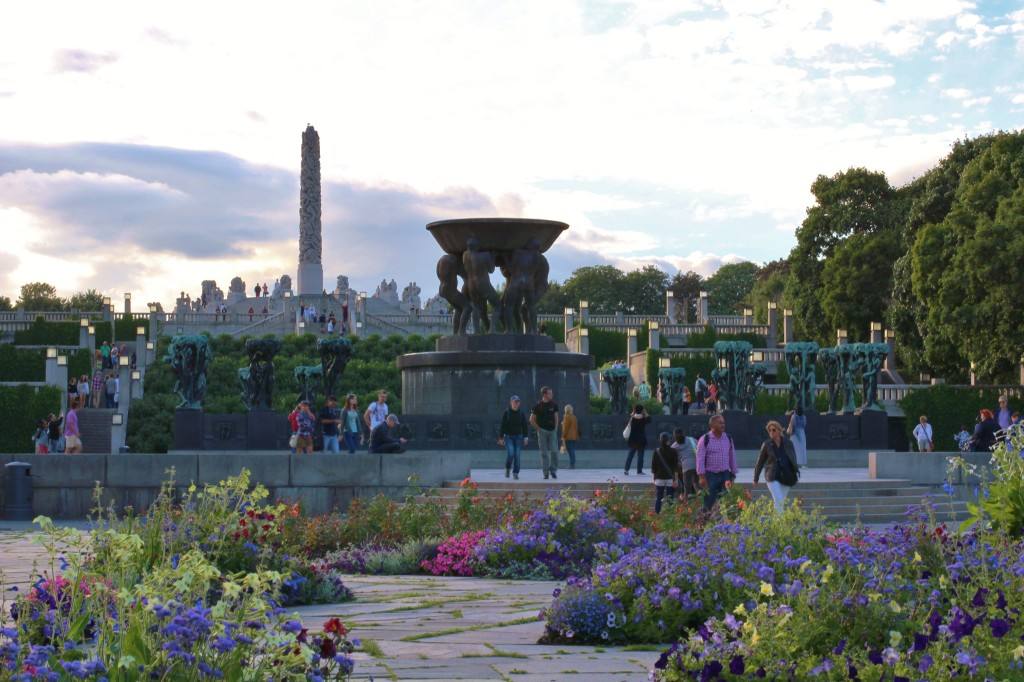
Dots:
(868, 83)
(976, 101)
(161, 36)
(81, 61)
(1018, 99)
(956, 93)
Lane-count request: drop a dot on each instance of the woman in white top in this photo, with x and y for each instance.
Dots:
(923, 434)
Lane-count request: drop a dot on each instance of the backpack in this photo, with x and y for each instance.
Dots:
(787, 472)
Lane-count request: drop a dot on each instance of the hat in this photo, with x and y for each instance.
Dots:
(515, 397)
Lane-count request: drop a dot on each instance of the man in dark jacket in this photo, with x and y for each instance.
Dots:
(381, 440)
(514, 430)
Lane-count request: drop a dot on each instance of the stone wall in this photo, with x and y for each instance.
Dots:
(64, 485)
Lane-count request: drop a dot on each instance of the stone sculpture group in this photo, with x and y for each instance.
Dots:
(257, 379)
(673, 385)
(842, 366)
(738, 380)
(514, 311)
(617, 379)
(189, 357)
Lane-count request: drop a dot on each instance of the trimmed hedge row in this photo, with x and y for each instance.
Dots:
(29, 364)
(43, 333)
(707, 338)
(948, 409)
(21, 407)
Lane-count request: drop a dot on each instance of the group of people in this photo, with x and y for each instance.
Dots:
(261, 291)
(990, 427)
(704, 395)
(346, 425)
(59, 433)
(329, 323)
(544, 418)
(108, 355)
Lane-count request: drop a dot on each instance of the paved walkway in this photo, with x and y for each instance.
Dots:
(427, 628)
(807, 475)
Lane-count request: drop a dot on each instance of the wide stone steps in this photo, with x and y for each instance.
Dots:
(870, 502)
(94, 425)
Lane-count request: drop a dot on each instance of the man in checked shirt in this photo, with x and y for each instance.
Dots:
(716, 461)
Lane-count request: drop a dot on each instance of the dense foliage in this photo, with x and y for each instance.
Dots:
(371, 368)
(20, 408)
(947, 409)
(44, 333)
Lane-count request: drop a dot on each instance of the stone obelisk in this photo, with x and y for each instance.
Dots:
(311, 269)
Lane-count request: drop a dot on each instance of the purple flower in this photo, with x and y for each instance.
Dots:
(1000, 626)
(839, 647)
(736, 665)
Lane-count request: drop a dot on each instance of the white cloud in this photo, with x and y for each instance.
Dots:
(976, 101)
(1018, 99)
(935, 78)
(956, 93)
(868, 83)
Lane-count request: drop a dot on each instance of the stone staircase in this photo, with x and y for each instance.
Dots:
(869, 502)
(94, 425)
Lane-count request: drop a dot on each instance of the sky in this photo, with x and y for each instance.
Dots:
(145, 147)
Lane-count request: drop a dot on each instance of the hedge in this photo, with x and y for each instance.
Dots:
(694, 364)
(22, 364)
(43, 333)
(707, 338)
(21, 407)
(949, 408)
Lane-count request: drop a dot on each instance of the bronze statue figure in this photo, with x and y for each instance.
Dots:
(800, 361)
(617, 378)
(523, 269)
(189, 357)
(334, 356)
(258, 378)
(449, 269)
(673, 383)
(478, 266)
(829, 361)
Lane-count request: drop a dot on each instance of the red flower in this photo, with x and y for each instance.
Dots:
(335, 627)
(327, 648)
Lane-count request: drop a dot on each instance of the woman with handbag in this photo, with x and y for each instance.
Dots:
(665, 467)
(570, 434)
(778, 461)
(636, 438)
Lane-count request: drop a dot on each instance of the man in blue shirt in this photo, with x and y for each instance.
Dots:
(330, 418)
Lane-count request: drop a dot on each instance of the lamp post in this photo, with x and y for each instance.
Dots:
(83, 332)
(702, 308)
(748, 317)
(876, 333)
(654, 335)
(584, 312)
(664, 363)
(631, 342)
(137, 385)
(841, 337)
(585, 341)
(124, 368)
(92, 347)
(128, 304)
(773, 324)
(62, 379)
(117, 432)
(788, 331)
(568, 318)
(141, 359)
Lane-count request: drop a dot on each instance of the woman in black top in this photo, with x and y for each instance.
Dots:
(665, 467)
(985, 432)
(637, 440)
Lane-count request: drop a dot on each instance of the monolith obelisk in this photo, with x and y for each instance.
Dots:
(311, 270)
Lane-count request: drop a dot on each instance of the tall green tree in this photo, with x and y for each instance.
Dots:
(644, 291)
(554, 301)
(855, 201)
(86, 301)
(600, 285)
(729, 288)
(40, 296)
(856, 282)
(5, 303)
(686, 288)
(770, 285)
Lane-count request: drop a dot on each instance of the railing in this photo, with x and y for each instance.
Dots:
(266, 321)
(132, 316)
(719, 320)
(770, 354)
(379, 321)
(890, 393)
(48, 315)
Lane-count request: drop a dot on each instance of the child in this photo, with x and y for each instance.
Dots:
(686, 449)
(665, 467)
(962, 438)
(41, 438)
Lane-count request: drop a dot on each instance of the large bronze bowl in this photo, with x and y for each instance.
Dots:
(495, 234)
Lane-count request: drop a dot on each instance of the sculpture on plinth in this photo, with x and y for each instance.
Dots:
(449, 269)
(307, 377)
(478, 266)
(849, 365)
(617, 379)
(752, 385)
(257, 379)
(411, 297)
(189, 358)
(829, 362)
(334, 356)
(801, 357)
(731, 374)
(526, 275)
(872, 358)
(673, 383)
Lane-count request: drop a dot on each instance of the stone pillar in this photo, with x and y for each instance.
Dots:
(1022, 370)
(51, 368)
(127, 303)
(61, 380)
(890, 357)
(877, 335)
(748, 317)
(584, 341)
(702, 308)
(620, 317)
(118, 430)
(773, 324)
(310, 275)
(654, 336)
(124, 385)
(841, 337)
(584, 313)
(670, 308)
(141, 356)
(92, 348)
(83, 333)
(788, 332)
(631, 343)
(569, 319)
(137, 381)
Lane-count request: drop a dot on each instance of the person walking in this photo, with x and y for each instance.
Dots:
(53, 432)
(777, 459)
(256, 290)
(570, 434)
(1002, 415)
(716, 461)
(72, 388)
(83, 390)
(923, 435)
(98, 385)
(643, 391)
(797, 432)
(636, 438)
(41, 437)
(293, 425)
(110, 390)
(665, 468)
(72, 435)
(376, 414)
(686, 453)
(544, 418)
(700, 390)
(381, 440)
(687, 399)
(712, 406)
(514, 433)
(330, 419)
(306, 422)
(350, 419)
(115, 353)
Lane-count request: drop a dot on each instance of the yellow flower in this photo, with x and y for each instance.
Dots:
(874, 596)
(827, 574)
(740, 610)
(192, 488)
(1018, 653)
(896, 608)
(767, 589)
(755, 638)
(805, 565)
(894, 638)
(917, 558)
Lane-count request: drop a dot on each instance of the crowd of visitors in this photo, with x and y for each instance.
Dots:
(374, 428)
(58, 433)
(328, 322)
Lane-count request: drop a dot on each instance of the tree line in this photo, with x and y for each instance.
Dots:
(40, 296)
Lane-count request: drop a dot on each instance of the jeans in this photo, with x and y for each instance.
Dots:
(546, 441)
(716, 486)
(663, 491)
(779, 493)
(331, 444)
(639, 452)
(110, 401)
(570, 448)
(351, 441)
(513, 448)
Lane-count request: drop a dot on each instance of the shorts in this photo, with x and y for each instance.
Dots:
(71, 442)
(303, 442)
